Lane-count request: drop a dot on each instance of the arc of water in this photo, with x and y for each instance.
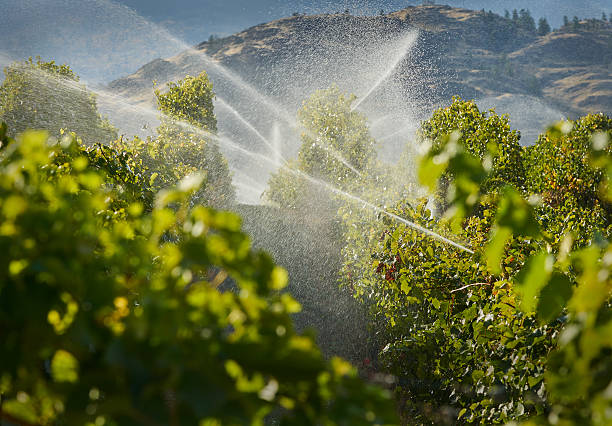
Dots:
(407, 43)
(240, 83)
(276, 139)
(397, 132)
(69, 84)
(120, 102)
(352, 197)
(276, 150)
(331, 188)
(245, 184)
(227, 73)
(292, 125)
(249, 126)
(377, 209)
(377, 122)
(228, 143)
(114, 99)
(275, 108)
(334, 153)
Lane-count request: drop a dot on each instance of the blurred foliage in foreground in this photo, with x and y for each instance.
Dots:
(113, 315)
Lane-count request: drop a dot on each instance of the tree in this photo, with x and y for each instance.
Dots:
(604, 17)
(515, 16)
(476, 131)
(186, 142)
(429, 300)
(488, 337)
(543, 27)
(337, 148)
(526, 22)
(506, 14)
(575, 23)
(43, 95)
(562, 282)
(189, 100)
(558, 170)
(565, 21)
(117, 316)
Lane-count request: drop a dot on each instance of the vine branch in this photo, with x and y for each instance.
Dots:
(469, 285)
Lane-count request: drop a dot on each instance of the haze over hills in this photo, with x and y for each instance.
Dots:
(455, 51)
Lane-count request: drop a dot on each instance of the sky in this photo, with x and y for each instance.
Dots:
(106, 39)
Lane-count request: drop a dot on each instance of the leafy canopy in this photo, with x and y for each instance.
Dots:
(337, 148)
(484, 135)
(43, 95)
(508, 333)
(186, 142)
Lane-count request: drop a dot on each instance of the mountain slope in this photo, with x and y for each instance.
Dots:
(404, 63)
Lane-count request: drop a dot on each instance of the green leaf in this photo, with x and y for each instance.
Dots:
(64, 367)
(23, 410)
(532, 278)
(593, 288)
(495, 248)
(404, 285)
(554, 297)
(280, 278)
(152, 178)
(534, 380)
(516, 214)
(462, 413)
(430, 171)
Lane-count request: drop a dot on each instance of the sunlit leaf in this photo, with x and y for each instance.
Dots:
(64, 367)
(495, 248)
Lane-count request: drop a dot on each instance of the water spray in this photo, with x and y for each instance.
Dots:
(232, 145)
(407, 44)
(397, 132)
(377, 209)
(249, 126)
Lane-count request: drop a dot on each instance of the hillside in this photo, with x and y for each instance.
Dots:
(472, 54)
